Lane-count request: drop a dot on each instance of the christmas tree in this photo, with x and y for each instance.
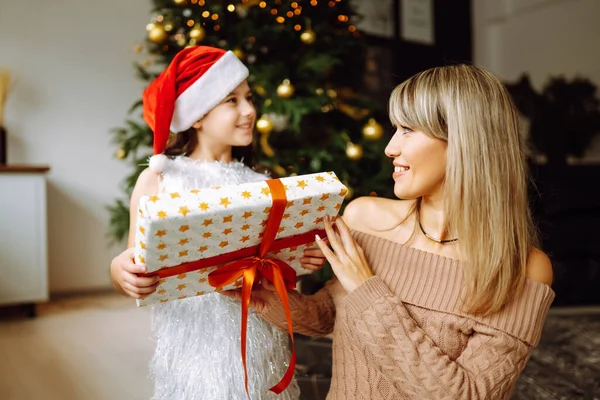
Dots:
(306, 60)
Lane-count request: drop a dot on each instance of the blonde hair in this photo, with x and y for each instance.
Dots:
(485, 189)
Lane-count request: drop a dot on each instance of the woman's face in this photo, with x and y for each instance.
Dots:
(419, 163)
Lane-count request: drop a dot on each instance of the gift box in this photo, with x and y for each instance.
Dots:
(184, 237)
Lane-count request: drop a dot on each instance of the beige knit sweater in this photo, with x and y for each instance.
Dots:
(401, 334)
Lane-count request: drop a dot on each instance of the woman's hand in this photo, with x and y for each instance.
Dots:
(123, 272)
(347, 258)
(313, 259)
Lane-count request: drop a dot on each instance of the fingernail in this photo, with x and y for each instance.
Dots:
(317, 237)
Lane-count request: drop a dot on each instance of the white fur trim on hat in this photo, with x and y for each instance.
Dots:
(208, 91)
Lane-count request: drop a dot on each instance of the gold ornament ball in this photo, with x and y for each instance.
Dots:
(197, 33)
(239, 53)
(308, 37)
(372, 130)
(157, 34)
(286, 89)
(264, 125)
(121, 154)
(354, 151)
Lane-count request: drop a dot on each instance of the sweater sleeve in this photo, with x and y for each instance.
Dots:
(312, 315)
(383, 329)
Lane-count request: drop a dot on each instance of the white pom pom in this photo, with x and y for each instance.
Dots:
(158, 163)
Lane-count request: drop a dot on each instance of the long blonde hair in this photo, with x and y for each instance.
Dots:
(485, 188)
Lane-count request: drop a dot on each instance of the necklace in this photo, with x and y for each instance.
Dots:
(434, 239)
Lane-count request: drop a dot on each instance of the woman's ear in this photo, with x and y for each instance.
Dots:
(197, 125)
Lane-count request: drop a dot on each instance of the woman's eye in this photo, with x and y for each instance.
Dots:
(405, 130)
(231, 100)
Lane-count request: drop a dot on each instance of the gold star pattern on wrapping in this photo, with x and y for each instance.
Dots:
(318, 220)
(324, 197)
(161, 246)
(246, 194)
(216, 187)
(320, 179)
(302, 184)
(292, 258)
(184, 211)
(153, 198)
(244, 239)
(202, 249)
(161, 214)
(207, 222)
(183, 253)
(182, 297)
(304, 212)
(285, 216)
(338, 207)
(142, 230)
(160, 233)
(293, 249)
(267, 210)
(281, 229)
(306, 201)
(299, 225)
(175, 195)
(200, 293)
(142, 260)
(223, 244)
(245, 227)
(203, 206)
(238, 283)
(228, 218)
(164, 301)
(141, 212)
(227, 231)
(183, 242)
(203, 280)
(343, 192)
(182, 276)
(181, 287)
(161, 291)
(163, 257)
(143, 245)
(207, 235)
(289, 204)
(195, 191)
(321, 209)
(225, 202)
(247, 214)
(184, 228)
(266, 191)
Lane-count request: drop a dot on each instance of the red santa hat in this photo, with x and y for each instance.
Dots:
(196, 81)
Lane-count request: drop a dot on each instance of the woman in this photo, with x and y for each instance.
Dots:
(441, 294)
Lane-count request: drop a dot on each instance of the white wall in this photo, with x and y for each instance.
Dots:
(540, 37)
(72, 60)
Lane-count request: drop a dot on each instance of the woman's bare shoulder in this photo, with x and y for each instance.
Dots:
(539, 267)
(376, 214)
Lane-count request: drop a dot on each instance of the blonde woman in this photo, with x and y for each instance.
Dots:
(442, 294)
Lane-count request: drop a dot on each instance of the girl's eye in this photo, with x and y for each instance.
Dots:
(231, 100)
(250, 99)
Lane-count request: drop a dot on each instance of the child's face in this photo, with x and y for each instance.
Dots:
(231, 122)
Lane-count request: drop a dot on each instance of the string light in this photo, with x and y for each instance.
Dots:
(343, 18)
(215, 17)
(280, 19)
(352, 28)
(159, 18)
(297, 27)
(294, 5)
(206, 14)
(231, 8)
(200, 2)
(217, 28)
(313, 2)
(191, 23)
(262, 4)
(274, 11)
(290, 14)
(297, 11)
(331, 4)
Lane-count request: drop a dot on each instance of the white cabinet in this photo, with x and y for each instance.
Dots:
(23, 235)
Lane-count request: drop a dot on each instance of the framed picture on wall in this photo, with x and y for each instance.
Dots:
(377, 18)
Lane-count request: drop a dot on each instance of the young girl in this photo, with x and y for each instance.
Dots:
(203, 95)
(441, 294)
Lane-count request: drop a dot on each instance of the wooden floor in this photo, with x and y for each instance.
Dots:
(89, 348)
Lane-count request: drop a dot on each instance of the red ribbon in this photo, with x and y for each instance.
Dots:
(281, 274)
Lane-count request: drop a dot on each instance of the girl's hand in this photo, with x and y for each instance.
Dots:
(347, 258)
(123, 272)
(313, 259)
